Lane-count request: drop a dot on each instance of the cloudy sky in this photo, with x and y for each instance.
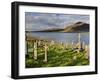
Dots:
(39, 21)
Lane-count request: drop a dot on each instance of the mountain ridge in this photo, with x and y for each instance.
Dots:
(76, 27)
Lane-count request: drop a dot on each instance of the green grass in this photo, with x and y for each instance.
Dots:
(57, 57)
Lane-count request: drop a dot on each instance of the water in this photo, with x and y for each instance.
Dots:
(61, 37)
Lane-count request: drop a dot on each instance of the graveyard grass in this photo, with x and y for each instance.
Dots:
(58, 56)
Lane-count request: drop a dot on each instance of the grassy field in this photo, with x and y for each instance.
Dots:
(57, 57)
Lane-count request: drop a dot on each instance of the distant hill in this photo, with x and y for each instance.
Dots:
(76, 27)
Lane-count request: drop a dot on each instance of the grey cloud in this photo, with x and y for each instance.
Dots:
(39, 21)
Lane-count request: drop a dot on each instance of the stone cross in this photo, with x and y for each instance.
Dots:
(72, 45)
(83, 45)
(35, 50)
(66, 45)
(79, 41)
(87, 51)
(45, 49)
(26, 47)
(52, 43)
(39, 42)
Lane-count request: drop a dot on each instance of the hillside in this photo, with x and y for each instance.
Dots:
(76, 27)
